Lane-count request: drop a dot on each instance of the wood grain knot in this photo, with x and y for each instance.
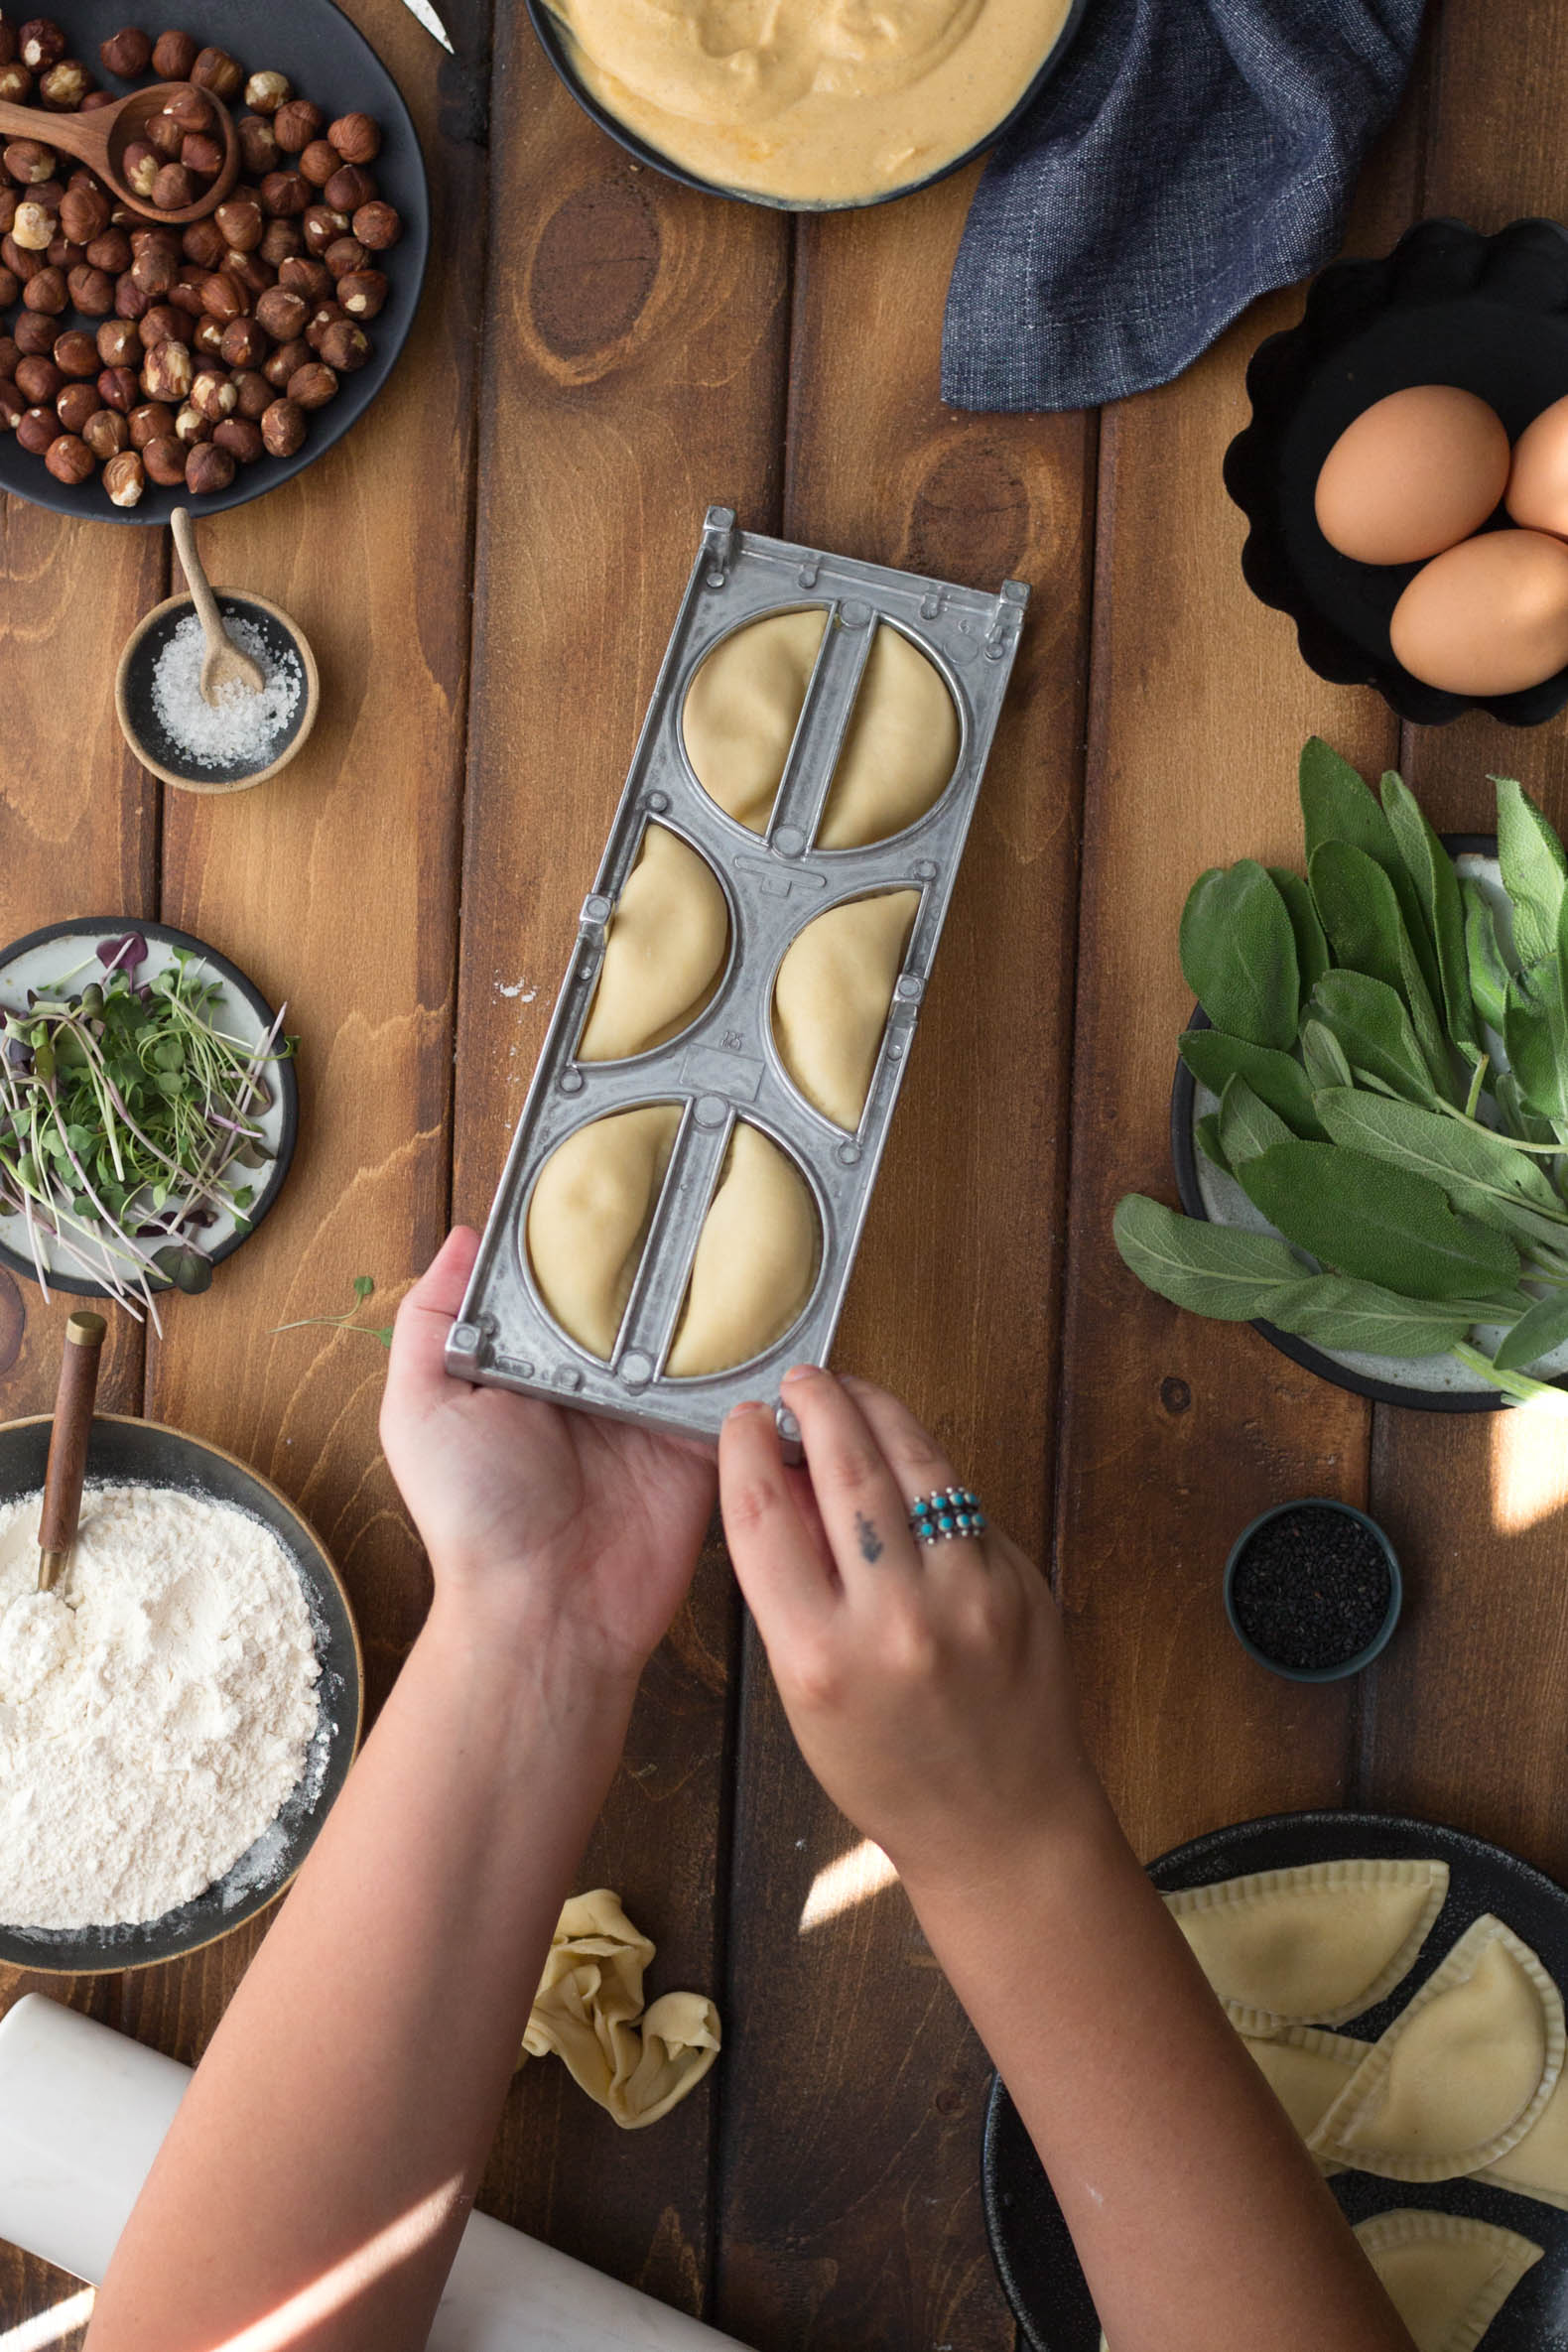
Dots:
(1175, 1395)
(971, 516)
(594, 267)
(13, 1321)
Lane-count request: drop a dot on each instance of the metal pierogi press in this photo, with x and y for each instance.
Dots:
(684, 1196)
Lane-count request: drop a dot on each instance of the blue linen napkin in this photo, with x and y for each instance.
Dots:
(1188, 156)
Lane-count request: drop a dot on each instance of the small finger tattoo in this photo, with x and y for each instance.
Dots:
(871, 1542)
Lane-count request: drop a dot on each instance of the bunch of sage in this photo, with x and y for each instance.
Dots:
(1390, 1058)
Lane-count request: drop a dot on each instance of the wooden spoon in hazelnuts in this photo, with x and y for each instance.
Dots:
(99, 141)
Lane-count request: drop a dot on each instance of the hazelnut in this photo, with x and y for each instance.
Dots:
(92, 291)
(281, 313)
(155, 270)
(344, 346)
(203, 243)
(348, 189)
(283, 237)
(244, 344)
(300, 275)
(186, 290)
(62, 88)
(68, 460)
(377, 225)
(253, 395)
(208, 469)
(313, 385)
(10, 288)
(38, 381)
(173, 187)
(285, 194)
(18, 260)
(118, 389)
(345, 255)
(95, 99)
(357, 137)
(324, 316)
(296, 122)
(190, 110)
(40, 43)
(174, 54)
(283, 428)
(201, 153)
(154, 419)
(16, 84)
(319, 162)
(285, 360)
(163, 323)
(166, 371)
(258, 145)
(74, 405)
(127, 54)
(223, 297)
(83, 214)
(37, 428)
(241, 437)
(47, 292)
(141, 167)
(62, 254)
(112, 252)
(75, 353)
(215, 70)
(13, 407)
(129, 300)
(254, 274)
(28, 160)
(241, 224)
(191, 426)
(267, 91)
(207, 338)
(118, 341)
(362, 293)
(34, 334)
(162, 132)
(10, 354)
(164, 460)
(125, 478)
(323, 228)
(105, 433)
(9, 201)
(33, 229)
(214, 395)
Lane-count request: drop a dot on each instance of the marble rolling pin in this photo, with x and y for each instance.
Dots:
(83, 2110)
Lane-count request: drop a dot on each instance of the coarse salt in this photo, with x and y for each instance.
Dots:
(240, 730)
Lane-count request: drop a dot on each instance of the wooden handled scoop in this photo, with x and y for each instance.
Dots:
(224, 667)
(67, 1445)
(99, 140)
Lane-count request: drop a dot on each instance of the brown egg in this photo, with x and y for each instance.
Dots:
(1487, 617)
(1413, 474)
(1537, 494)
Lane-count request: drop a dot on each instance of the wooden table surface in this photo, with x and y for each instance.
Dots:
(488, 568)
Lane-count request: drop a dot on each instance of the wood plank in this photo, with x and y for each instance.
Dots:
(853, 2086)
(633, 375)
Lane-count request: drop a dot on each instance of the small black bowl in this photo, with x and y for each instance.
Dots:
(1358, 1659)
(137, 712)
(1448, 305)
(557, 47)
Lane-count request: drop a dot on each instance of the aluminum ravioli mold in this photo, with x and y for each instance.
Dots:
(725, 1065)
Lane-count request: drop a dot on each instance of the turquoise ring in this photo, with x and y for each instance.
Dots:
(944, 1516)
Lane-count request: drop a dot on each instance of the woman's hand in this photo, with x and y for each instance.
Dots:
(536, 1518)
(927, 1684)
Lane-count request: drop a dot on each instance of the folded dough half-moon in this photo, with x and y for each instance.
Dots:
(1313, 1945)
(831, 998)
(1447, 2277)
(900, 750)
(589, 1218)
(1461, 2074)
(755, 1266)
(1537, 2166)
(664, 952)
(742, 707)
(1306, 2069)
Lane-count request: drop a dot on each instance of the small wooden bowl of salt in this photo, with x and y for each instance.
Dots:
(234, 734)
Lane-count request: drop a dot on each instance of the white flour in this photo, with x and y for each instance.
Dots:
(155, 1709)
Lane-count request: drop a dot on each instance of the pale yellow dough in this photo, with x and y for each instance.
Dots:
(636, 2063)
(590, 1215)
(1306, 2069)
(1313, 1945)
(900, 750)
(1447, 2277)
(742, 710)
(831, 998)
(1537, 2166)
(1461, 2074)
(755, 1264)
(664, 952)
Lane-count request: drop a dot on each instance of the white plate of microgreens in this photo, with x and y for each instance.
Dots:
(148, 1110)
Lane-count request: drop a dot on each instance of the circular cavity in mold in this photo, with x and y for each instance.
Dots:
(666, 951)
(833, 989)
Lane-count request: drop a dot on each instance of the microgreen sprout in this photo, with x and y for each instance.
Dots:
(364, 1288)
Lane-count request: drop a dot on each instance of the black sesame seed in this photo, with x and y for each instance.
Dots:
(1312, 1588)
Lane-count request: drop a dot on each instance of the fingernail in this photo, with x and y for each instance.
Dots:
(801, 1371)
(748, 1404)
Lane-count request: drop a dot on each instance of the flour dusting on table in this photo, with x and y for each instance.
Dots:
(156, 1708)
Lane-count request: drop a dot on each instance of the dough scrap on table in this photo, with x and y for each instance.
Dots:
(1446, 2275)
(833, 996)
(900, 750)
(756, 1260)
(1312, 1945)
(636, 2063)
(589, 1218)
(1461, 2074)
(664, 952)
(742, 707)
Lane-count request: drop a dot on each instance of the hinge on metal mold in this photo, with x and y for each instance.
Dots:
(778, 882)
(932, 602)
(719, 544)
(596, 912)
(1011, 598)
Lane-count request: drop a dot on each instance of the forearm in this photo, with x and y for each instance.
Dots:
(1198, 2216)
(331, 2143)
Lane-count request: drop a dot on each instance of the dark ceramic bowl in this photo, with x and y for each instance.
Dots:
(125, 1452)
(1362, 1658)
(1448, 305)
(556, 46)
(329, 62)
(137, 709)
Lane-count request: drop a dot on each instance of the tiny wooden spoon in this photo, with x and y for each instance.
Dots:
(222, 665)
(67, 1445)
(99, 140)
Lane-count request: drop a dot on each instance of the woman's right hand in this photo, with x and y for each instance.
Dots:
(927, 1685)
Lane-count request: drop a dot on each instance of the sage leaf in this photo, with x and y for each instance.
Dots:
(1372, 1026)
(1276, 1078)
(1210, 1269)
(1436, 885)
(1367, 930)
(1312, 948)
(1521, 1120)
(1381, 1224)
(1247, 1125)
(1324, 1058)
(1336, 806)
(1239, 954)
(1535, 1031)
(1534, 870)
(1536, 1395)
(1539, 1332)
(1206, 1134)
(1334, 1311)
(1488, 972)
(1480, 1173)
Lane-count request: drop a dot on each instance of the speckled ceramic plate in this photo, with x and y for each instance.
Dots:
(124, 1452)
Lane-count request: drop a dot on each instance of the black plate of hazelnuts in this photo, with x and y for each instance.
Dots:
(144, 367)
